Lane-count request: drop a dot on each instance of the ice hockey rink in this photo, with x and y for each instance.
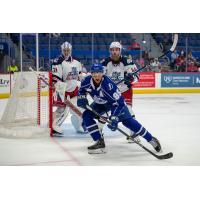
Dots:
(173, 118)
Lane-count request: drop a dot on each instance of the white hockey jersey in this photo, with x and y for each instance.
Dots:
(116, 70)
(67, 71)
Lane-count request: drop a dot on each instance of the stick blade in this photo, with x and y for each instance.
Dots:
(166, 156)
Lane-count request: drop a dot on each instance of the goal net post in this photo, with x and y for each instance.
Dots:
(28, 112)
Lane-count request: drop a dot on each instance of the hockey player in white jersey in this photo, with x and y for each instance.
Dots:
(118, 67)
(66, 79)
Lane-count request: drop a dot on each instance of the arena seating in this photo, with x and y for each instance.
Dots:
(193, 40)
(81, 42)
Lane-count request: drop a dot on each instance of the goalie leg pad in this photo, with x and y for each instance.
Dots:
(57, 129)
(60, 115)
(77, 123)
(76, 120)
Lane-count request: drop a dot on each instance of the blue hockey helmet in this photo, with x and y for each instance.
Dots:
(96, 68)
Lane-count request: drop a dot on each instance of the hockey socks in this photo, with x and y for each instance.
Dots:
(137, 128)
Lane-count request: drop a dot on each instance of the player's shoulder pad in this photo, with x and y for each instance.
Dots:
(86, 80)
(58, 60)
(105, 61)
(127, 61)
(76, 59)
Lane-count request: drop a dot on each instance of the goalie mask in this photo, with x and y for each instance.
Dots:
(66, 48)
(115, 50)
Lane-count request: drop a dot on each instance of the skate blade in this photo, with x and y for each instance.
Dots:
(82, 132)
(58, 135)
(97, 151)
(132, 141)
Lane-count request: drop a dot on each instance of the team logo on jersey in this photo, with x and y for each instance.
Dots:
(116, 76)
(73, 74)
(74, 71)
(97, 99)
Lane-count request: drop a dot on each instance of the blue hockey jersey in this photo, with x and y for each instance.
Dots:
(106, 93)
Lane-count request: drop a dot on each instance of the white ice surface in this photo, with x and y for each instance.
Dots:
(173, 118)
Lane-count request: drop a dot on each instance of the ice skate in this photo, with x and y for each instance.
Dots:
(97, 148)
(156, 144)
(136, 138)
(57, 131)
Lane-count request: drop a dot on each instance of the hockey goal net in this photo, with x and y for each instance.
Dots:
(28, 112)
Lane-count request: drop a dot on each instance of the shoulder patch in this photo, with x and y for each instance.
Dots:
(110, 86)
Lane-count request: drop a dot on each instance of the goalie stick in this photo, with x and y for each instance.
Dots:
(175, 41)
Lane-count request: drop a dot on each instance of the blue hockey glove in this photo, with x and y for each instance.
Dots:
(82, 102)
(113, 123)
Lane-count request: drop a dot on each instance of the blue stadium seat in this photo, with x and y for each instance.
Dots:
(85, 40)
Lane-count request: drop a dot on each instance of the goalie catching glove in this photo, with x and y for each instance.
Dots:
(60, 88)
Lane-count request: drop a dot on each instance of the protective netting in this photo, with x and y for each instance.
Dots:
(27, 110)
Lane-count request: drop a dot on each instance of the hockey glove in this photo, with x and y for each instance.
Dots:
(59, 93)
(113, 123)
(82, 102)
(128, 79)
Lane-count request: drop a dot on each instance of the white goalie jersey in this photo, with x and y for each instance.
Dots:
(66, 79)
(68, 71)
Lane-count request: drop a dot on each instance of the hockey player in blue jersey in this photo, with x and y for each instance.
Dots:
(107, 99)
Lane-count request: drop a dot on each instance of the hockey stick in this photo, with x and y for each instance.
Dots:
(160, 157)
(175, 41)
(79, 113)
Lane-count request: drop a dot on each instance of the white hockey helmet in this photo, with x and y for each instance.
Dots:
(116, 45)
(66, 45)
